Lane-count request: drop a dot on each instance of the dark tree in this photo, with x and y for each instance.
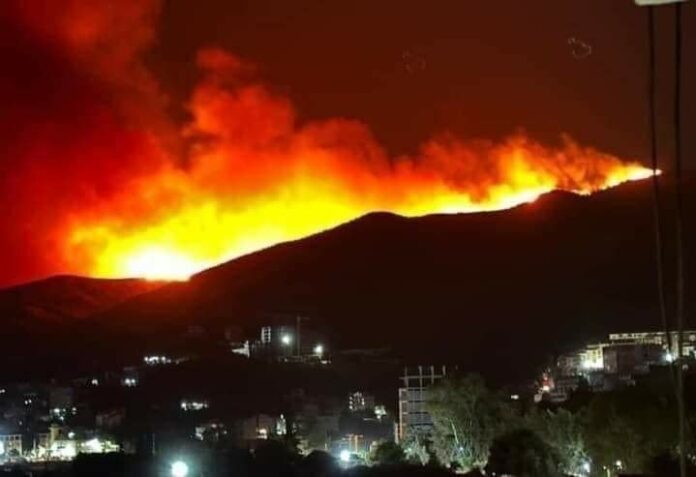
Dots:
(274, 458)
(319, 464)
(467, 416)
(627, 429)
(523, 454)
(388, 453)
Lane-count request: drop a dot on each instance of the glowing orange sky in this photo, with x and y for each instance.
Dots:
(104, 182)
(258, 177)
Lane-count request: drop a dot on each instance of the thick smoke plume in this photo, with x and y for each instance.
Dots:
(93, 180)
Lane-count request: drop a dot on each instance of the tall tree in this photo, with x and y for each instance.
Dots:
(563, 432)
(523, 453)
(388, 453)
(467, 416)
(625, 430)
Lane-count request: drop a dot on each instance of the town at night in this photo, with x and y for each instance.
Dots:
(347, 238)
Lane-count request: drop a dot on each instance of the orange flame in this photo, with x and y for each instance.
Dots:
(202, 234)
(257, 178)
(98, 179)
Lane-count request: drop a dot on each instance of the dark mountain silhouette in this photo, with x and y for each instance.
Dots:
(496, 292)
(493, 291)
(45, 323)
(65, 297)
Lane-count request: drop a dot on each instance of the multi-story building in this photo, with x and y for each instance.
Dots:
(10, 445)
(413, 414)
(632, 359)
(660, 338)
(359, 401)
(653, 346)
(619, 359)
(592, 356)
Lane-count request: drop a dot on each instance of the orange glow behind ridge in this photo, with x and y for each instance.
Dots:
(101, 180)
(254, 176)
(201, 235)
(314, 179)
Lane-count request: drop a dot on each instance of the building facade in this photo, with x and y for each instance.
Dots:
(413, 414)
(619, 359)
(359, 401)
(632, 359)
(10, 445)
(667, 342)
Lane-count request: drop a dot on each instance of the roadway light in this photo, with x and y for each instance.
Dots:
(587, 467)
(179, 468)
(319, 349)
(286, 339)
(344, 456)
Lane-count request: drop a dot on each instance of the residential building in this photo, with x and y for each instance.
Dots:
(359, 401)
(660, 338)
(413, 415)
(10, 445)
(616, 361)
(211, 431)
(632, 359)
(591, 358)
(248, 431)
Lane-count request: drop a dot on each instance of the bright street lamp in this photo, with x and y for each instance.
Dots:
(179, 468)
(286, 339)
(319, 349)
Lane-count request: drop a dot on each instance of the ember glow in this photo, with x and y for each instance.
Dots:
(196, 237)
(322, 181)
(115, 187)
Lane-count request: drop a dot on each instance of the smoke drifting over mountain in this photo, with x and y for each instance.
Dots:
(97, 178)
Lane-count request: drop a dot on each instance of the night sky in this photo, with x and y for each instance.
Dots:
(93, 92)
(477, 68)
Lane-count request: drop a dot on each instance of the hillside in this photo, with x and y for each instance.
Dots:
(494, 292)
(66, 297)
(44, 322)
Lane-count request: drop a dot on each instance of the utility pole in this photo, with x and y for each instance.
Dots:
(679, 232)
(298, 330)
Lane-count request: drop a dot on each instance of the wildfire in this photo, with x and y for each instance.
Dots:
(104, 182)
(256, 178)
(212, 227)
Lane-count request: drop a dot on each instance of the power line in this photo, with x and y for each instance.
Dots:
(679, 239)
(659, 244)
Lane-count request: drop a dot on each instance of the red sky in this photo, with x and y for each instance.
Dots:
(95, 93)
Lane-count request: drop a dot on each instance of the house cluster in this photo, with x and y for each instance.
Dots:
(617, 361)
(47, 423)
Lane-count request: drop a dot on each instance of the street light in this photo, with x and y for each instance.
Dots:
(344, 456)
(319, 350)
(179, 468)
(286, 339)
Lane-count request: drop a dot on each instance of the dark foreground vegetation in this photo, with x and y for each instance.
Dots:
(272, 459)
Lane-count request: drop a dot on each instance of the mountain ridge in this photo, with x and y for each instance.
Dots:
(496, 292)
